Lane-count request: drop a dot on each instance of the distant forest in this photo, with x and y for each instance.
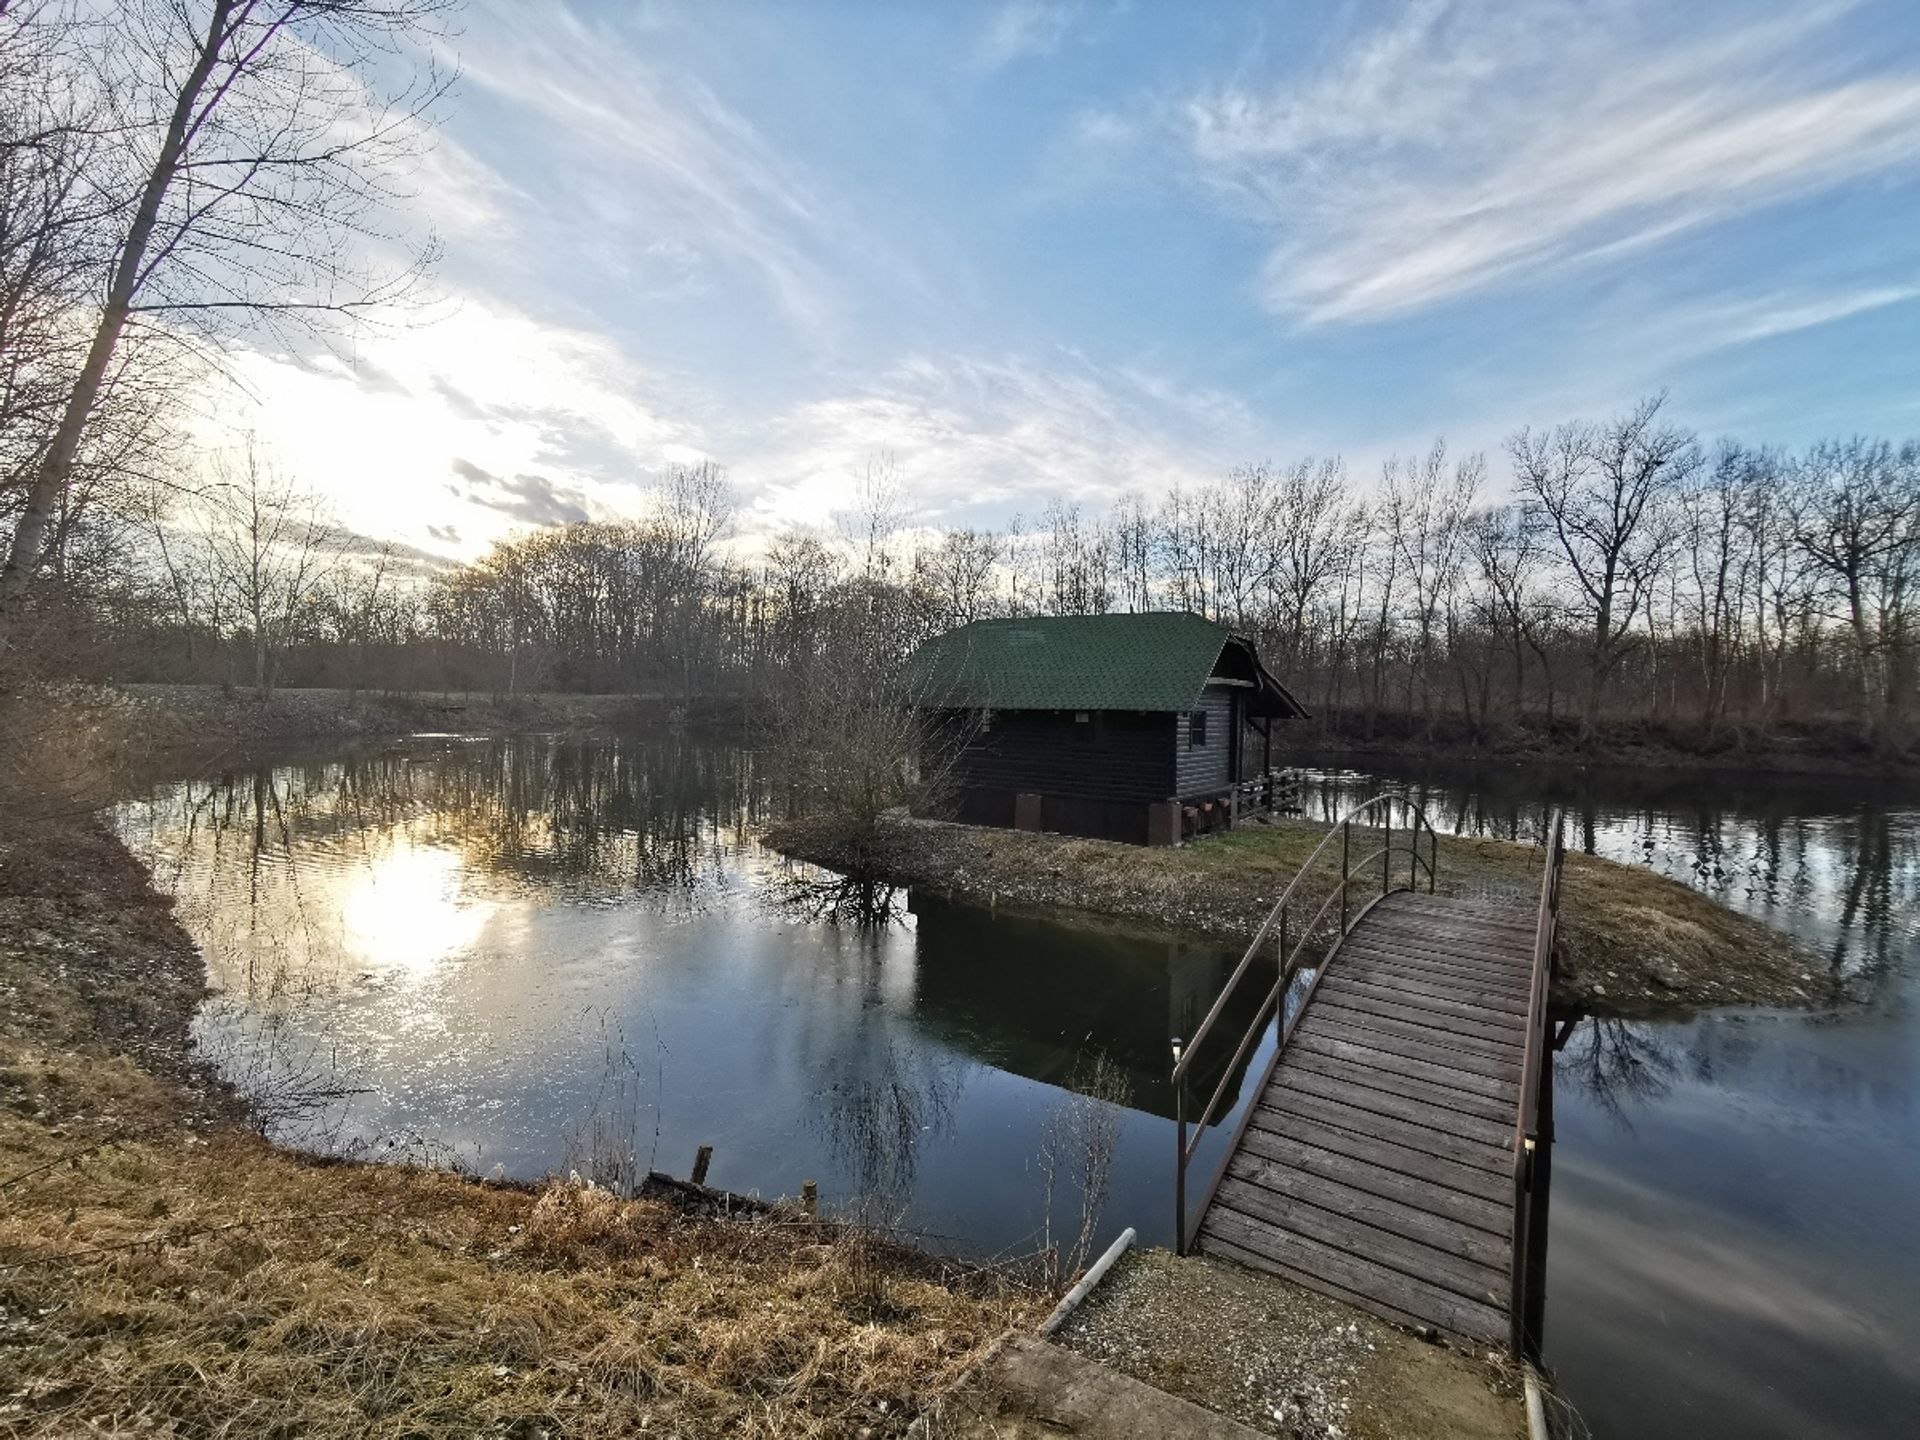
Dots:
(1629, 571)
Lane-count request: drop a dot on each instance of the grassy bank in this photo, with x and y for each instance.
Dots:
(1637, 944)
(163, 1269)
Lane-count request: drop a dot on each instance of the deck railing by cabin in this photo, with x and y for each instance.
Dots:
(1293, 937)
(1273, 792)
(1533, 1132)
(1269, 793)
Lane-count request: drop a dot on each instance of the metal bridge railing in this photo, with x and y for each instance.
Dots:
(1292, 939)
(1533, 1131)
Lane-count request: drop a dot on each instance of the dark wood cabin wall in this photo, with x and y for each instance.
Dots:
(1130, 756)
(1210, 767)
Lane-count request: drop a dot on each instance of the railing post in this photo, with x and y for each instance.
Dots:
(1346, 869)
(1539, 1198)
(1386, 855)
(1433, 856)
(1180, 1163)
(1281, 1007)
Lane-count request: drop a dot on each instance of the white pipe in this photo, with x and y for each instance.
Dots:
(1536, 1408)
(1087, 1281)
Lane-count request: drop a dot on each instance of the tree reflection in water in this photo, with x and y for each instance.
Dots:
(881, 1106)
(865, 904)
(1620, 1064)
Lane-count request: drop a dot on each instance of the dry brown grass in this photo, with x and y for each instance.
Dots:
(165, 1271)
(217, 1286)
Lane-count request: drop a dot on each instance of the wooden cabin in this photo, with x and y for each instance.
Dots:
(1121, 727)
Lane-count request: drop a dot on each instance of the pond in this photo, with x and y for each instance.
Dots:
(528, 955)
(536, 956)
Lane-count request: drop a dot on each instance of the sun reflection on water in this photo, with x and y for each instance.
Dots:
(410, 909)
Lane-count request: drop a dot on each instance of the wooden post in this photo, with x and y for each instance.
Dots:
(810, 1197)
(702, 1158)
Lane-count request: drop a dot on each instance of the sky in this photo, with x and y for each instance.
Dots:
(1059, 250)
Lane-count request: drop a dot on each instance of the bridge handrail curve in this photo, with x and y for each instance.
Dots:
(1289, 959)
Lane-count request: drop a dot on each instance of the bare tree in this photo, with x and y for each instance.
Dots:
(1507, 549)
(258, 146)
(1718, 552)
(1858, 520)
(270, 549)
(1313, 537)
(958, 574)
(1602, 491)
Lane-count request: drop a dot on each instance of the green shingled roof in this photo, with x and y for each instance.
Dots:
(1157, 661)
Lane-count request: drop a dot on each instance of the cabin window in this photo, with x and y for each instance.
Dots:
(986, 721)
(1197, 730)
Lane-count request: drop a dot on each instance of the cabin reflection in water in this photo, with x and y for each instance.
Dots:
(1003, 989)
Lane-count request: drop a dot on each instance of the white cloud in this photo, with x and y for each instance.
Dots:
(1022, 29)
(661, 175)
(1718, 324)
(1457, 148)
(973, 439)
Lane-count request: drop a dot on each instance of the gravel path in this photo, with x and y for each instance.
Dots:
(1282, 1359)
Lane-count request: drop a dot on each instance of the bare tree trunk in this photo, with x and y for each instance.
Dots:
(55, 472)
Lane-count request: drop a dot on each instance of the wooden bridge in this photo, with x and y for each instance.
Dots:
(1395, 1152)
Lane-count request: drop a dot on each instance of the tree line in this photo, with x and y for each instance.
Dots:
(1627, 571)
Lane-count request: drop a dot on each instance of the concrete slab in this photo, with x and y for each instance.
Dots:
(1034, 1389)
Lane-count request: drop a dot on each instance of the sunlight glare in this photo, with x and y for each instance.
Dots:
(407, 912)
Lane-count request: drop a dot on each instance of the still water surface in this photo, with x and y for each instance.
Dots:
(528, 953)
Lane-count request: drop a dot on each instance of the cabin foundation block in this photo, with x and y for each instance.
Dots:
(1026, 811)
(1163, 823)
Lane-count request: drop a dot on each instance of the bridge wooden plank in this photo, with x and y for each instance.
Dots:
(1459, 1160)
(1489, 1026)
(1313, 1262)
(1492, 953)
(1427, 951)
(1465, 974)
(1504, 1022)
(1313, 1039)
(1337, 1087)
(1388, 1018)
(1431, 954)
(1286, 1194)
(1447, 1107)
(1338, 1025)
(1290, 1154)
(1494, 943)
(1481, 952)
(1457, 909)
(1442, 915)
(1345, 1230)
(1388, 975)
